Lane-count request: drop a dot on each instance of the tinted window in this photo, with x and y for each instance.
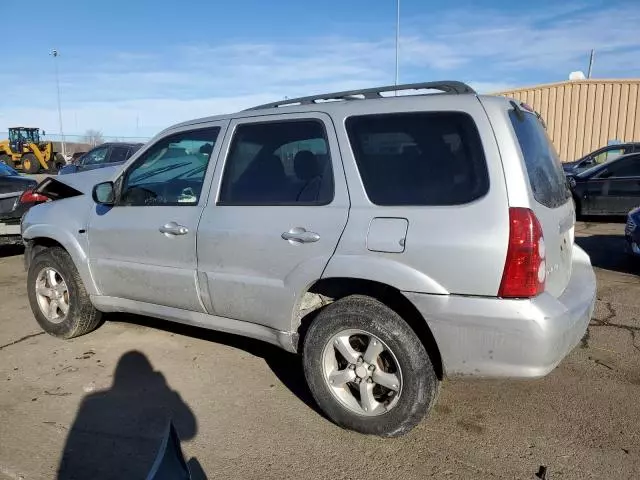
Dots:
(419, 158)
(118, 154)
(95, 157)
(278, 163)
(171, 172)
(544, 170)
(627, 167)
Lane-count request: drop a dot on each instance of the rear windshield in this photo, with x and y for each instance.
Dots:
(546, 177)
(419, 158)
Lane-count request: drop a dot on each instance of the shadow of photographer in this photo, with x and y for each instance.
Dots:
(117, 432)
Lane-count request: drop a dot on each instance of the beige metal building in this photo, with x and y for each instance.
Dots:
(583, 115)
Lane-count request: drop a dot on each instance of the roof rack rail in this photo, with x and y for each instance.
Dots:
(446, 86)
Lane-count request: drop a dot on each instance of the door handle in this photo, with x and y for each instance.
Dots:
(172, 228)
(300, 235)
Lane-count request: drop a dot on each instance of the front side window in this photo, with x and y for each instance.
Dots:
(171, 172)
(95, 157)
(607, 155)
(278, 163)
(424, 158)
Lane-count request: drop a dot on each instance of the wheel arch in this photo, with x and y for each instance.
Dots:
(36, 240)
(327, 290)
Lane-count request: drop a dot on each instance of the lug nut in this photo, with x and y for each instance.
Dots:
(352, 366)
(369, 380)
(358, 380)
(360, 360)
(372, 367)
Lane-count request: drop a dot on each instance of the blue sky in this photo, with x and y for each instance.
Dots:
(160, 62)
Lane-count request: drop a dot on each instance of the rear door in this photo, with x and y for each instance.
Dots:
(616, 189)
(551, 196)
(273, 225)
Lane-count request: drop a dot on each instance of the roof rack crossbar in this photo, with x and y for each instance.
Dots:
(446, 86)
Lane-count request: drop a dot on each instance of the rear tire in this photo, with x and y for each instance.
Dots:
(30, 163)
(81, 316)
(362, 322)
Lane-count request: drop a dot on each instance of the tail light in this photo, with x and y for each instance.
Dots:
(28, 196)
(525, 271)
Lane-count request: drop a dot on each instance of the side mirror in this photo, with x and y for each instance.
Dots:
(104, 193)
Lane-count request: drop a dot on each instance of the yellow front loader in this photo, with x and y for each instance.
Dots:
(25, 151)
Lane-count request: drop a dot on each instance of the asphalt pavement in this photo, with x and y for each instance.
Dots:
(96, 406)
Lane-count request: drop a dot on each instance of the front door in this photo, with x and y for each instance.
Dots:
(271, 228)
(144, 248)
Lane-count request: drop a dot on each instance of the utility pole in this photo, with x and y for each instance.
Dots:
(55, 54)
(397, 41)
(591, 58)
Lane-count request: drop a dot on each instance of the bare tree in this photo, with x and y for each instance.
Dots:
(93, 137)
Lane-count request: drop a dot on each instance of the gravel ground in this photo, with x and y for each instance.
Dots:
(98, 404)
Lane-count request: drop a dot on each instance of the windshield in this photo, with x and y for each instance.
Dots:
(6, 171)
(24, 135)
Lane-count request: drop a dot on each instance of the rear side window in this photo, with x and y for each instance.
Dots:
(544, 170)
(278, 163)
(118, 154)
(419, 158)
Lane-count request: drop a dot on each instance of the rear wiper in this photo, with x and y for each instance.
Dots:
(518, 110)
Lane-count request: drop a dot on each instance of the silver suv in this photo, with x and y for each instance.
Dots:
(391, 240)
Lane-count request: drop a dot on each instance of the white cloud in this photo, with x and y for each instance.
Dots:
(492, 50)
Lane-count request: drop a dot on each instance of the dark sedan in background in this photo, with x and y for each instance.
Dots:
(16, 197)
(600, 156)
(105, 155)
(612, 188)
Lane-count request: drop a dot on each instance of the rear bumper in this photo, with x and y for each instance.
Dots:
(493, 337)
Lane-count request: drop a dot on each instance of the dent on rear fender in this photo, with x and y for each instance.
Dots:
(383, 270)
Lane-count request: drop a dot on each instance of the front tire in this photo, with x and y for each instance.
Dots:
(57, 295)
(367, 369)
(30, 163)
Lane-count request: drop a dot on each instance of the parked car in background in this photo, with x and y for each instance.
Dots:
(600, 156)
(104, 155)
(75, 156)
(392, 241)
(632, 232)
(612, 188)
(16, 197)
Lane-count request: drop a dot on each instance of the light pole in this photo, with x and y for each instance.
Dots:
(55, 54)
(397, 40)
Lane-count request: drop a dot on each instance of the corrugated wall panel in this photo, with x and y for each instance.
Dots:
(589, 140)
(551, 114)
(599, 136)
(632, 111)
(583, 115)
(622, 115)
